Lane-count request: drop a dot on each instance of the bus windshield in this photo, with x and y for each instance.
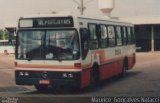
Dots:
(48, 45)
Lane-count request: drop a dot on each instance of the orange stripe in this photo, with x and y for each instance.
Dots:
(46, 66)
(51, 66)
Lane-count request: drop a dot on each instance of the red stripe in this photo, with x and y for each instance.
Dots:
(111, 69)
(85, 78)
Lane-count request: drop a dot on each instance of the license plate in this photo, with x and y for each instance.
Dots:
(44, 82)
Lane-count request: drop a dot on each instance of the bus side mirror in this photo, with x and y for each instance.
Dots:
(84, 34)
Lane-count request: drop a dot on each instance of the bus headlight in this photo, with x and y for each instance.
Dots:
(23, 74)
(26, 74)
(70, 75)
(64, 75)
(67, 75)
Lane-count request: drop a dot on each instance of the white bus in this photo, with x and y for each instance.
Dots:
(6, 47)
(66, 50)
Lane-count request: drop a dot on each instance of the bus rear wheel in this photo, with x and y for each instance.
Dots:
(125, 68)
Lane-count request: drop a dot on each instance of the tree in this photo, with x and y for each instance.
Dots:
(1, 34)
(4, 34)
(7, 35)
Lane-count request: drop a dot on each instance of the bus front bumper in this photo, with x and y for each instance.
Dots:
(47, 78)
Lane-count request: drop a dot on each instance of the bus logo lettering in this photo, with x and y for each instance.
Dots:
(53, 22)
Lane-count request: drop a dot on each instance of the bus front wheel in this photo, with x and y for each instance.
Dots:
(94, 77)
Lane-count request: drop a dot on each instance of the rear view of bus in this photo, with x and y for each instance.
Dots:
(57, 50)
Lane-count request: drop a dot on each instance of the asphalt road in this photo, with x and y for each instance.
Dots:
(142, 80)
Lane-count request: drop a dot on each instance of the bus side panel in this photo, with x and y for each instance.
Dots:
(106, 71)
(131, 61)
(119, 67)
(85, 78)
(111, 69)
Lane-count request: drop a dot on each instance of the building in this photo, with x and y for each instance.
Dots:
(147, 31)
(12, 33)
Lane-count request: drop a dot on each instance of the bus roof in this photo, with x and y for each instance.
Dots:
(69, 14)
(47, 15)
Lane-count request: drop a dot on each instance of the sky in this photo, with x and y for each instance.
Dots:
(11, 10)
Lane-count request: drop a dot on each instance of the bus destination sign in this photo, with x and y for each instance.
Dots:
(53, 22)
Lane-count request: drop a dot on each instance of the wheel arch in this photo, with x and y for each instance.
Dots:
(125, 61)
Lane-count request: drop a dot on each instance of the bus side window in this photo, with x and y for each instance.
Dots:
(118, 36)
(111, 36)
(104, 36)
(124, 35)
(93, 36)
(129, 35)
(133, 36)
(84, 42)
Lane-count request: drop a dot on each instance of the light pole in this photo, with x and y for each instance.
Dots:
(81, 5)
(82, 8)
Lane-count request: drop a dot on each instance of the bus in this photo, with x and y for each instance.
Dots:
(7, 47)
(76, 51)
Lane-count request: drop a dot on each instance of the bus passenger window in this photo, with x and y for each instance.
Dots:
(118, 36)
(129, 35)
(93, 36)
(103, 33)
(133, 36)
(124, 34)
(84, 42)
(111, 36)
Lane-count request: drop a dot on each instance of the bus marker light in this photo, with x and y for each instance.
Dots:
(77, 65)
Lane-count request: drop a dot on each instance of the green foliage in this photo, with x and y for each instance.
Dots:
(1, 34)
(4, 34)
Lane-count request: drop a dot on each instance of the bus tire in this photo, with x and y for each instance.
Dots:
(41, 88)
(94, 76)
(125, 68)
